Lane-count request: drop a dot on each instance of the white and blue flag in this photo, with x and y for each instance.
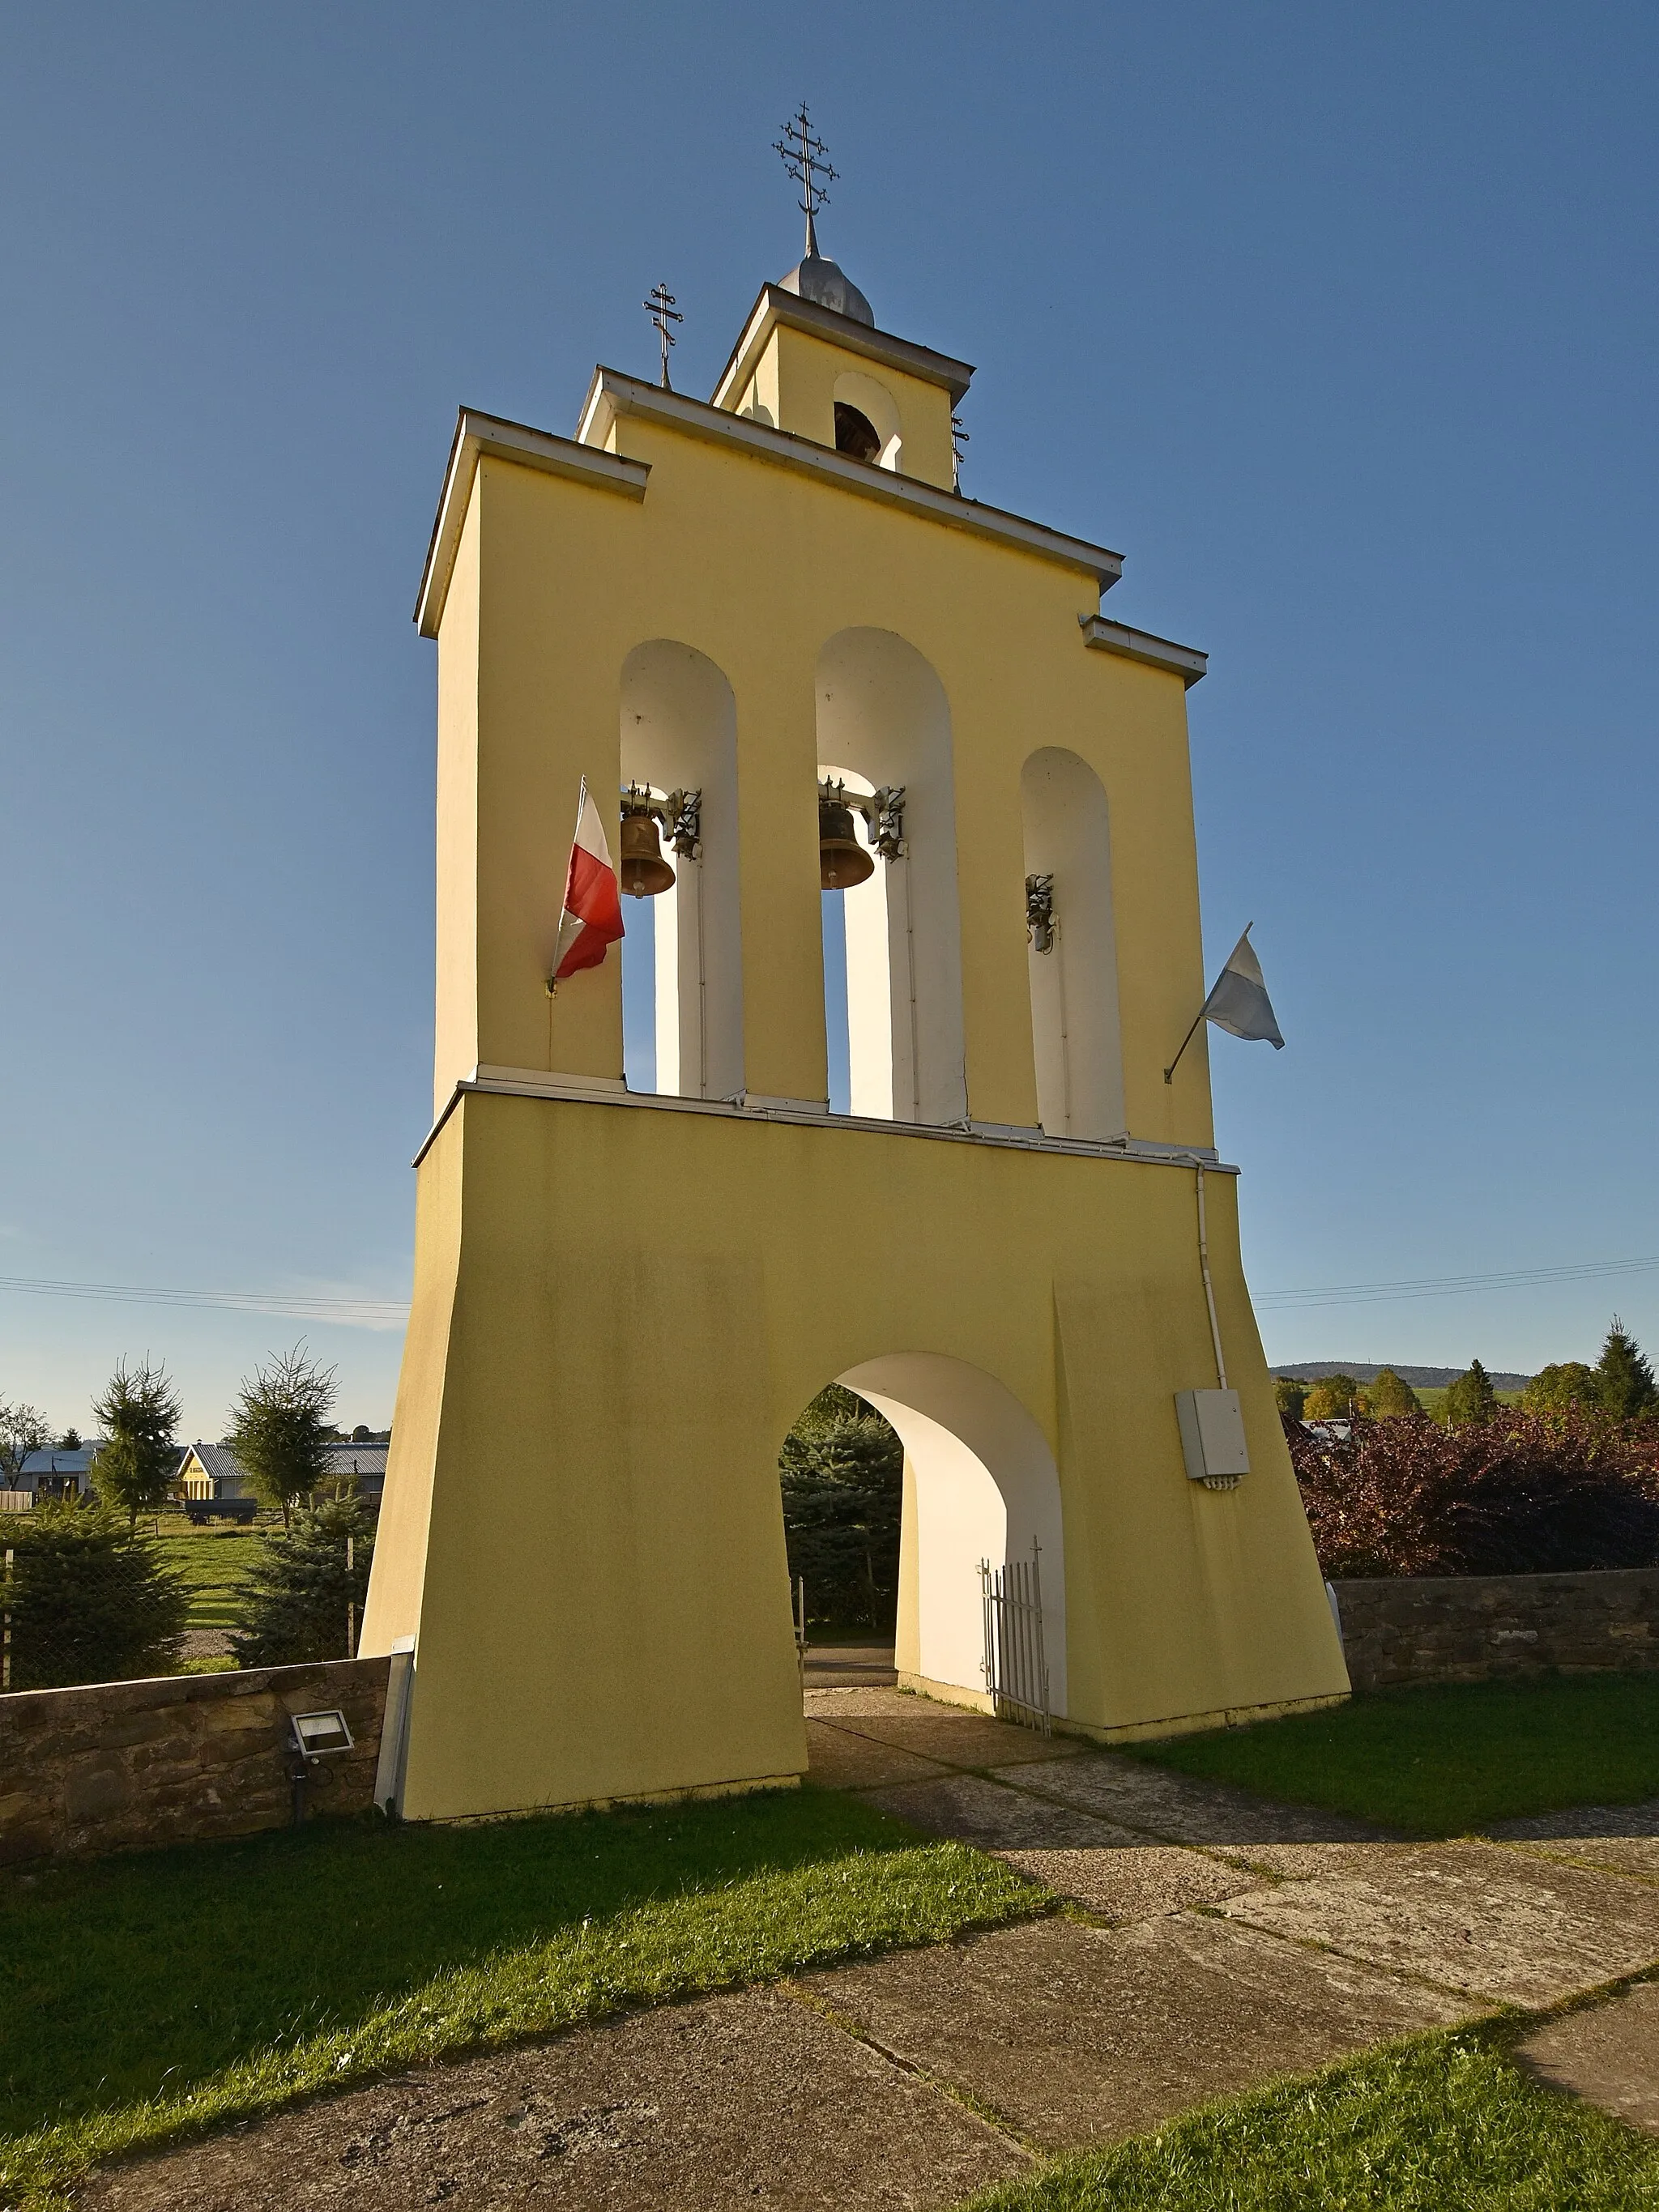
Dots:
(1239, 1003)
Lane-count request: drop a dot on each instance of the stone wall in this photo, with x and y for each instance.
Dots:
(1475, 1628)
(123, 1766)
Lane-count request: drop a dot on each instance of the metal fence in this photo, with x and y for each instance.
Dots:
(80, 1611)
(1016, 1664)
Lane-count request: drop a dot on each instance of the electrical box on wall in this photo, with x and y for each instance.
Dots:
(1212, 1436)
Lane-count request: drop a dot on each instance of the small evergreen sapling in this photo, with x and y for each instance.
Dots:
(280, 1428)
(138, 1413)
(296, 1602)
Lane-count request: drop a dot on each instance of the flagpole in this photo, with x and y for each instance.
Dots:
(1169, 1073)
(553, 980)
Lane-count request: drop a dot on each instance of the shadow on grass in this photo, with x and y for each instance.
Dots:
(1446, 1758)
(136, 1976)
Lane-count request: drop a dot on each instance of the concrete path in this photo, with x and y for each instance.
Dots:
(1214, 1940)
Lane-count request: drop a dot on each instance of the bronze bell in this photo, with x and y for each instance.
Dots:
(842, 861)
(644, 872)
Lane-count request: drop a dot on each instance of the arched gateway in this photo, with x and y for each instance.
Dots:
(775, 631)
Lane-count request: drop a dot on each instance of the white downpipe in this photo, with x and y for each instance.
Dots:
(1209, 1292)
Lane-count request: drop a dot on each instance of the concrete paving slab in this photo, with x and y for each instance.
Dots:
(1307, 1862)
(1609, 2055)
(1623, 1839)
(1079, 2035)
(849, 1666)
(1159, 1801)
(842, 1760)
(840, 1704)
(1474, 1916)
(960, 1738)
(753, 2099)
(995, 1817)
(1133, 1883)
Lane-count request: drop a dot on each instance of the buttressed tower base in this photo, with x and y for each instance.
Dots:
(624, 1296)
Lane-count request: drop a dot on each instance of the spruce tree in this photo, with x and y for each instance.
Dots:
(1470, 1398)
(280, 1428)
(138, 1413)
(1388, 1396)
(295, 1604)
(841, 1471)
(88, 1601)
(1625, 1374)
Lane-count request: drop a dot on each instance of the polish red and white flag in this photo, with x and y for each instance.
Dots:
(592, 921)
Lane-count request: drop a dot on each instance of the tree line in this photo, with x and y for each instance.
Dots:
(1621, 1385)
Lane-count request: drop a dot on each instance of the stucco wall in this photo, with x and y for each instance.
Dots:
(1475, 1628)
(121, 1766)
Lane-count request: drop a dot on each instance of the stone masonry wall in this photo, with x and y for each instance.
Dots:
(123, 1766)
(1475, 1628)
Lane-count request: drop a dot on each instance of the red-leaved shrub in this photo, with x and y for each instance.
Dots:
(1517, 1495)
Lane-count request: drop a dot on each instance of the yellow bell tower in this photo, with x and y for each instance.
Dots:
(776, 607)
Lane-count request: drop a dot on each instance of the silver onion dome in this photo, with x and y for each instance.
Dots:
(827, 285)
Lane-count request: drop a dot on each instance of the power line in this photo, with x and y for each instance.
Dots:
(365, 1312)
(1444, 1286)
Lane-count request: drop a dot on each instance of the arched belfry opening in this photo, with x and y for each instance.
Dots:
(883, 729)
(682, 961)
(1072, 947)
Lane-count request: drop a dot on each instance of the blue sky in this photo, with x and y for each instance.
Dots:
(1339, 323)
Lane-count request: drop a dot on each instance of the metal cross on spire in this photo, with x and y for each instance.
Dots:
(661, 309)
(807, 158)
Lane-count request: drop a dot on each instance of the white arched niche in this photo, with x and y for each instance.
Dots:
(982, 1484)
(884, 722)
(876, 403)
(679, 732)
(1074, 1005)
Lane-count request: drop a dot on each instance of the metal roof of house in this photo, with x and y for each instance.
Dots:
(55, 1460)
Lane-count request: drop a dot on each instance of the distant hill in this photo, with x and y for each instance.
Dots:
(1421, 1378)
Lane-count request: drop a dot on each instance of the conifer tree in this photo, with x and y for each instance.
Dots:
(138, 1413)
(1387, 1396)
(1470, 1398)
(280, 1429)
(294, 1605)
(88, 1603)
(1625, 1374)
(843, 1474)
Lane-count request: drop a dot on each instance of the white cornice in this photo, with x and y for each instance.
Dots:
(1185, 662)
(775, 306)
(477, 435)
(811, 1114)
(612, 394)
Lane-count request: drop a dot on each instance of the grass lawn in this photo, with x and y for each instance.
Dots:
(1441, 2124)
(142, 1997)
(213, 1563)
(1445, 1759)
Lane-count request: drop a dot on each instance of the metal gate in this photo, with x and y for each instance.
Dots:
(1016, 1665)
